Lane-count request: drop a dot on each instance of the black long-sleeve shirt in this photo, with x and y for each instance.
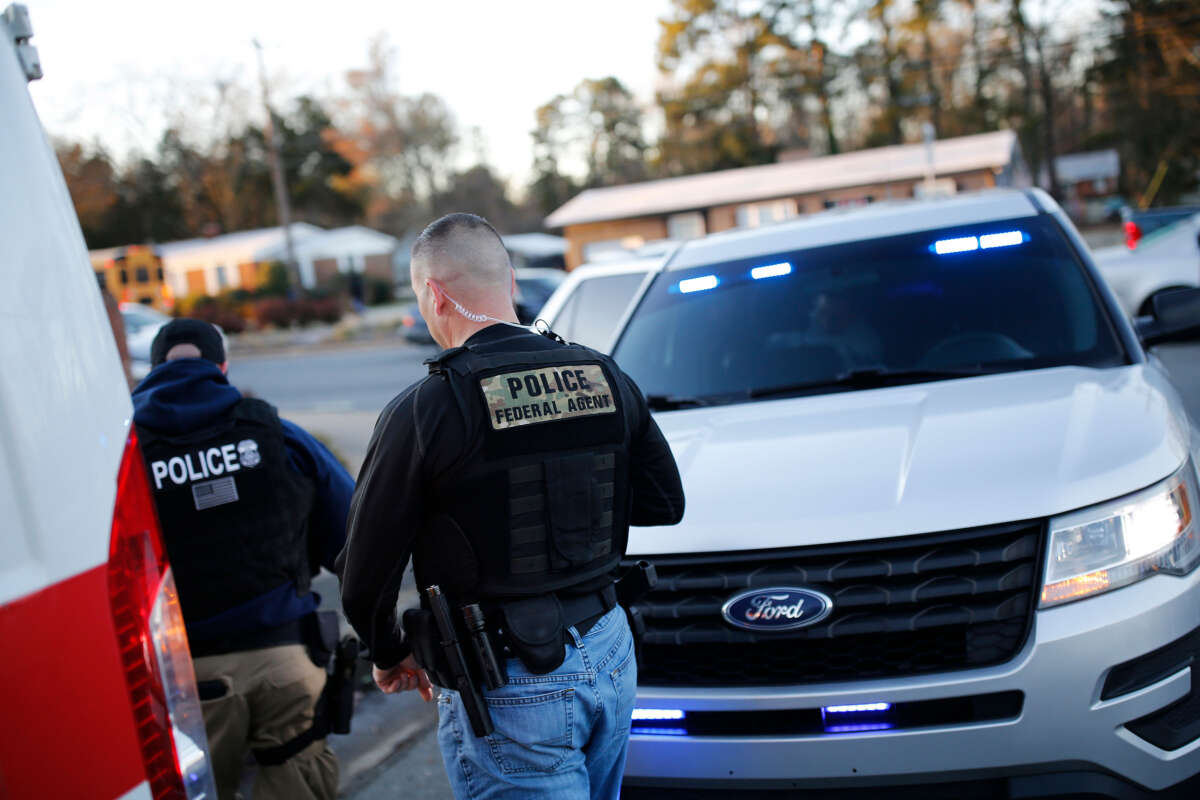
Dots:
(419, 442)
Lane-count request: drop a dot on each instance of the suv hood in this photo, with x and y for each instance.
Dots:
(915, 459)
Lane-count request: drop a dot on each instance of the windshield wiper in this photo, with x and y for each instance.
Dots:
(671, 402)
(872, 379)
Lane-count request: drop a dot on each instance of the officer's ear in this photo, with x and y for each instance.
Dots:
(439, 296)
(224, 367)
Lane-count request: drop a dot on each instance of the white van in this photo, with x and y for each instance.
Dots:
(99, 692)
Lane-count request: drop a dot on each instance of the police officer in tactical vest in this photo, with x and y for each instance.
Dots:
(251, 507)
(510, 475)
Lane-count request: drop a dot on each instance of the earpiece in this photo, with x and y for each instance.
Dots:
(471, 315)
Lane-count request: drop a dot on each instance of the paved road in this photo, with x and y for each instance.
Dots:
(338, 394)
(360, 378)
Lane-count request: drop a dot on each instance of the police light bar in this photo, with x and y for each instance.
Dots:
(660, 731)
(988, 241)
(703, 283)
(859, 708)
(963, 244)
(659, 713)
(1006, 239)
(858, 728)
(771, 271)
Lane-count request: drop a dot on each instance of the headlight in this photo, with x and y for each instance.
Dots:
(1120, 542)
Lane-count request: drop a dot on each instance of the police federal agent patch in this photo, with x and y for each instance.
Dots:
(546, 394)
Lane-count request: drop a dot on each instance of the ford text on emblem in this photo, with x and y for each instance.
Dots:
(778, 608)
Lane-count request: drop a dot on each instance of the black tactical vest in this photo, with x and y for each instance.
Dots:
(234, 514)
(546, 505)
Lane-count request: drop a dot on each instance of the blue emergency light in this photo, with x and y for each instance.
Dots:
(859, 727)
(859, 708)
(987, 241)
(658, 713)
(771, 271)
(660, 731)
(700, 284)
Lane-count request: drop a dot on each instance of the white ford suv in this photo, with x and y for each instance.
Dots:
(941, 520)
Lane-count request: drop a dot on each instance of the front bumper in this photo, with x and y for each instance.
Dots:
(1063, 726)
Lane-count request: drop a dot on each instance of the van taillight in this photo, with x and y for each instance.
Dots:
(1133, 234)
(152, 643)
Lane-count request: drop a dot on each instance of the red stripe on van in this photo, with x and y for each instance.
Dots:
(66, 729)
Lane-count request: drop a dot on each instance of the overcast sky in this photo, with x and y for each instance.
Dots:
(114, 68)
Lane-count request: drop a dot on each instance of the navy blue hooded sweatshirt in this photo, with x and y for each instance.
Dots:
(190, 393)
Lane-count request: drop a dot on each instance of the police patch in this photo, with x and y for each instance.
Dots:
(547, 394)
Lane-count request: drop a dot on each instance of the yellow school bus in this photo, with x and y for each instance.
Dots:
(134, 274)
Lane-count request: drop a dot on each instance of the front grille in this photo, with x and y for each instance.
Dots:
(903, 606)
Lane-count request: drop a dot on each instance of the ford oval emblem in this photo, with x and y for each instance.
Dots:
(777, 608)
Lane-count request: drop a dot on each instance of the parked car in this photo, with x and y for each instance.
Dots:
(590, 303)
(534, 287)
(1165, 260)
(941, 518)
(1139, 223)
(99, 691)
(141, 326)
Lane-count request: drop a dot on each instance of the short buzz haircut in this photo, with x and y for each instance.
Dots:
(443, 228)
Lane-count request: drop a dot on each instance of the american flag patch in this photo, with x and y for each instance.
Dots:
(214, 493)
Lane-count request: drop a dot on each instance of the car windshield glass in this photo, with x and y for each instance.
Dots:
(905, 309)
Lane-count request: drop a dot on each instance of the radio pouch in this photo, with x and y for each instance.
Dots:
(422, 635)
(534, 630)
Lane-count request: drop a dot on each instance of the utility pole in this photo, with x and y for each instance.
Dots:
(281, 197)
(929, 134)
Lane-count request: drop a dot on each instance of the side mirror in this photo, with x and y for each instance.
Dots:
(1176, 317)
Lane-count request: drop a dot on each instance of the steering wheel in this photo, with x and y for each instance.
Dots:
(974, 347)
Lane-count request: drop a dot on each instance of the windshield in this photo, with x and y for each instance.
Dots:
(996, 297)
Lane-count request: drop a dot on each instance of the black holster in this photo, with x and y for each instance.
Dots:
(321, 632)
(635, 584)
(422, 636)
(336, 704)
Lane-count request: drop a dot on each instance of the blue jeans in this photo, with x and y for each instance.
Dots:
(563, 735)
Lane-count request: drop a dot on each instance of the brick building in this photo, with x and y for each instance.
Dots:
(598, 221)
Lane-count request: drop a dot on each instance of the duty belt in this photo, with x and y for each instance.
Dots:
(583, 611)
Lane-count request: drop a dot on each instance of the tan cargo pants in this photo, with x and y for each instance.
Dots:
(271, 696)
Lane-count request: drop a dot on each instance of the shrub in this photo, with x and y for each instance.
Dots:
(276, 283)
(275, 311)
(223, 310)
(379, 291)
(325, 309)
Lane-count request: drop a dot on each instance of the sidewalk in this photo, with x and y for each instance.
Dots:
(383, 725)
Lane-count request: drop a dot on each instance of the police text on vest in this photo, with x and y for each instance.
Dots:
(206, 463)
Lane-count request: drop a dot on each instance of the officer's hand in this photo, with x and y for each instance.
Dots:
(404, 677)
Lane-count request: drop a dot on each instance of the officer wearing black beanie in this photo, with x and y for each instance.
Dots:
(251, 507)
